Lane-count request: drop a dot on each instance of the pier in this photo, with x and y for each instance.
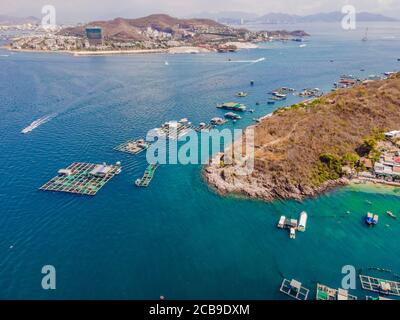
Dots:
(133, 146)
(82, 178)
(148, 176)
(294, 289)
(381, 286)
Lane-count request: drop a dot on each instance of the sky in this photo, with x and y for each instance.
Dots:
(89, 10)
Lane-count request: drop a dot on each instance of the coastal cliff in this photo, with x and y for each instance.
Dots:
(300, 150)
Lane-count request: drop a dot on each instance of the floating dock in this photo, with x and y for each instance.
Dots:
(294, 289)
(174, 129)
(133, 146)
(381, 286)
(326, 293)
(82, 178)
(148, 176)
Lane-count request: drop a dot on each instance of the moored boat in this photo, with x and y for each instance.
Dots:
(371, 219)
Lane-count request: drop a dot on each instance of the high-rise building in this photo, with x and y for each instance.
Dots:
(95, 36)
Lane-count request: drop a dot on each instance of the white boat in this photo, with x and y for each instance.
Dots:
(35, 124)
(292, 233)
(302, 45)
(303, 221)
(281, 223)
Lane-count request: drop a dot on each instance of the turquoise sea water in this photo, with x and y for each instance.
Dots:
(177, 238)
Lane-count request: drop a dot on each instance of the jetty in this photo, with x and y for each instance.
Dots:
(294, 289)
(385, 287)
(148, 176)
(326, 293)
(82, 178)
(133, 146)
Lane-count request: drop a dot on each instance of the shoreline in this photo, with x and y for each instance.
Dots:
(172, 50)
(277, 171)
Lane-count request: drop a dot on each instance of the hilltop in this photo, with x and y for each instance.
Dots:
(300, 150)
(9, 20)
(135, 29)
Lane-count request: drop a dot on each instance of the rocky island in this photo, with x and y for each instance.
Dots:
(309, 148)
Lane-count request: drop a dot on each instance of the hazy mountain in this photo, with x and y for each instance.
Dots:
(228, 17)
(319, 17)
(8, 20)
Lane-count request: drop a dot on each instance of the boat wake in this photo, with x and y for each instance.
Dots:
(247, 61)
(4, 55)
(37, 123)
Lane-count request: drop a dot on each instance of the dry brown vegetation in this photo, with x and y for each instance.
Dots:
(289, 144)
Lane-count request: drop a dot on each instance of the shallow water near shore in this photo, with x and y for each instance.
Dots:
(177, 238)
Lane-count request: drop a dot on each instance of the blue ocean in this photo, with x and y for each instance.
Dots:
(177, 238)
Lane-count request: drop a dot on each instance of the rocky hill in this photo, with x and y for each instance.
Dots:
(136, 29)
(300, 150)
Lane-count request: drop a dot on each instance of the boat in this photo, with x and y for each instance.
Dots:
(391, 214)
(35, 124)
(371, 219)
(292, 233)
(302, 45)
(242, 94)
(233, 116)
(234, 106)
(365, 38)
(302, 221)
(281, 223)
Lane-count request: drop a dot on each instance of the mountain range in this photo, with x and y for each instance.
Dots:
(9, 20)
(235, 17)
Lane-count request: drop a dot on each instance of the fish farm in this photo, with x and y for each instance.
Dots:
(379, 285)
(147, 176)
(133, 146)
(82, 178)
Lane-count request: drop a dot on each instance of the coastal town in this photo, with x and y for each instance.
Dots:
(156, 32)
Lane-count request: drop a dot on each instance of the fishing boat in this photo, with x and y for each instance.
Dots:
(391, 214)
(371, 219)
(232, 106)
(242, 94)
(233, 116)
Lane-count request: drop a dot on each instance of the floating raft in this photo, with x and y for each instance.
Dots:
(82, 178)
(294, 289)
(326, 293)
(147, 177)
(133, 146)
(382, 286)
